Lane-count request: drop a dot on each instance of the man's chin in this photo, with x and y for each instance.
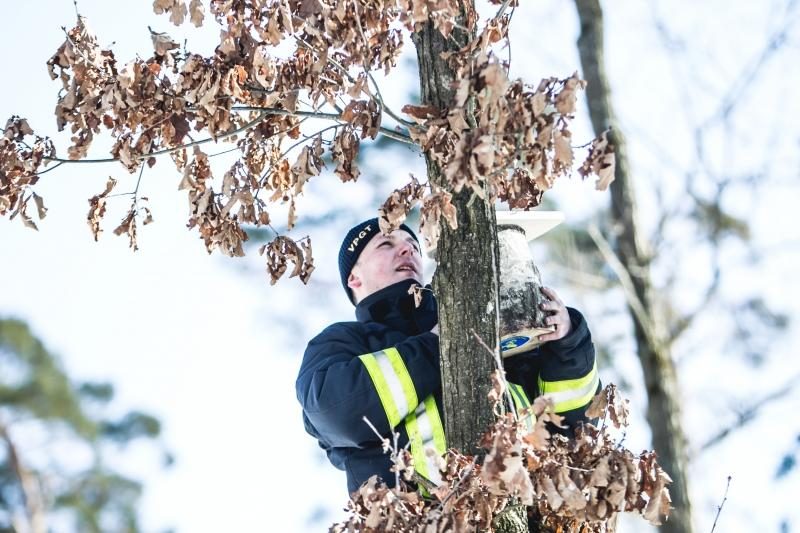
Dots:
(407, 274)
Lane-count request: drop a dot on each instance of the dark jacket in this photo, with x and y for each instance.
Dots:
(337, 391)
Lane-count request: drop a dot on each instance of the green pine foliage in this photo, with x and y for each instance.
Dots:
(42, 409)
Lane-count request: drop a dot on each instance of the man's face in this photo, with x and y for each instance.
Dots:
(385, 260)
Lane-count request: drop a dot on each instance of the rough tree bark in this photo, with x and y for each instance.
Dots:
(663, 406)
(466, 275)
(466, 279)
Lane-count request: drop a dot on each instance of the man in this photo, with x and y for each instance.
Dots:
(385, 366)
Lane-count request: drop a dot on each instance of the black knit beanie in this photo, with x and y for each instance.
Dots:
(354, 243)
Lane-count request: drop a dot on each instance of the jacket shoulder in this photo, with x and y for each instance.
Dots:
(338, 331)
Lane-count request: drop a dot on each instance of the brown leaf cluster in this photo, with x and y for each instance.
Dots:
(575, 484)
(600, 162)
(435, 206)
(281, 251)
(394, 210)
(20, 161)
(97, 208)
(500, 138)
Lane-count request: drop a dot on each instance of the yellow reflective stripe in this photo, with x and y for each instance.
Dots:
(439, 441)
(393, 383)
(399, 367)
(571, 394)
(384, 392)
(417, 449)
(519, 396)
(522, 404)
(426, 435)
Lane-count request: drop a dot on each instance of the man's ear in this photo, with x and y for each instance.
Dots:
(353, 281)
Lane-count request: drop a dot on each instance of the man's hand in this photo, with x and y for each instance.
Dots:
(436, 329)
(557, 316)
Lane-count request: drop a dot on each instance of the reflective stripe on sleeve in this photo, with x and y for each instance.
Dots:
(392, 382)
(426, 434)
(522, 404)
(571, 394)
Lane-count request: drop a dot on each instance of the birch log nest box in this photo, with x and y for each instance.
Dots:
(521, 319)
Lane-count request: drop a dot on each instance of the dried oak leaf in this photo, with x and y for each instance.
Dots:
(40, 208)
(421, 113)
(162, 43)
(345, 153)
(600, 161)
(394, 210)
(435, 206)
(196, 12)
(566, 99)
(97, 208)
(176, 9)
(618, 409)
(364, 114)
(573, 497)
(416, 290)
(128, 225)
(309, 163)
(504, 471)
(279, 252)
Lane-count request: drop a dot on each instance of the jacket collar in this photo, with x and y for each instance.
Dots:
(393, 306)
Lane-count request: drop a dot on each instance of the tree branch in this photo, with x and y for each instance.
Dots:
(165, 150)
(721, 505)
(749, 414)
(378, 96)
(327, 116)
(31, 496)
(627, 285)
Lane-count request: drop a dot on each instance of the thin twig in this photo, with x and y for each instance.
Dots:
(373, 428)
(136, 190)
(502, 9)
(499, 363)
(328, 116)
(464, 474)
(386, 444)
(51, 168)
(508, 36)
(330, 60)
(306, 139)
(378, 96)
(749, 414)
(719, 508)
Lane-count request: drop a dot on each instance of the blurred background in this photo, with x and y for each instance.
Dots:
(154, 390)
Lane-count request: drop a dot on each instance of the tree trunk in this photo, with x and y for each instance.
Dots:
(465, 282)
(466, 279)
(28, 486)
(663, 409)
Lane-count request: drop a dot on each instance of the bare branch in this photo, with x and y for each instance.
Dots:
(749, 414)
(750, 73)
(719, 507)
(627, 285)
(499, 363)
(166, 150)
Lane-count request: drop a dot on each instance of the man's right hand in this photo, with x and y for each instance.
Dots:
(435, 330)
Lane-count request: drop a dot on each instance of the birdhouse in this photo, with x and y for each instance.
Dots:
(521, 319)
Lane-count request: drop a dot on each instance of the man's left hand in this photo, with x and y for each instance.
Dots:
(557, 316)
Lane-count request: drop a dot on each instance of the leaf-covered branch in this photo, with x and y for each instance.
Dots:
(498, 137)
